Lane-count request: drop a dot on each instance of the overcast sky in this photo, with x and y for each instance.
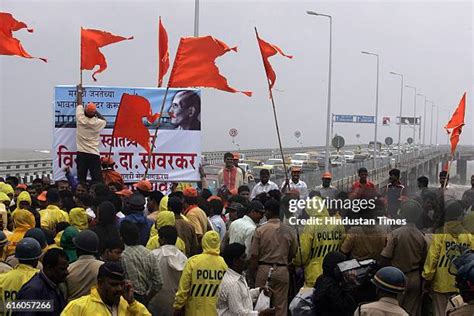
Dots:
(429, 42)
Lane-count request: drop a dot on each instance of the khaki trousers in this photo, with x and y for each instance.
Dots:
(279, 283)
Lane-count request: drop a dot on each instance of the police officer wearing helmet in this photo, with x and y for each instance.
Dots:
(465, 284)
(390, 282)
(83, 272)
(27, 251)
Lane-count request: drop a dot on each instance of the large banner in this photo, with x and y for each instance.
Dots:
(177, 153)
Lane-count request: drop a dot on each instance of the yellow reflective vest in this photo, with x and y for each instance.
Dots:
(437, 263)
(93, 305)
(317, 240)
(12, 281)
(200, 280)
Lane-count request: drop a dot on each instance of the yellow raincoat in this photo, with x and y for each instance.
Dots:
(22, 197)
(164, 218)
(77, 218)
(52, 215)
(93, 305)
(437, 262)
(317, 240)
(7, 189)
(200, 280)
(22, 221)
(163, 204)
(12, 281)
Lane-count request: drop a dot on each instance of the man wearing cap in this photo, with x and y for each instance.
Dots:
(230, 176)
(83, 272)
(265, 185)
(436, 269)
(112, 296)
(28, 252)
(194, 214)
(109, 175)
(326, 189)
(295, 183)
(241, 230)
(45, 284)
(406, 250)
(134, 214)
(390, 282)
(89, 125)
(200, 280)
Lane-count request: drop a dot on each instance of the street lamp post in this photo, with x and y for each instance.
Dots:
(196, 18)
(400, 120)
(431, 123)
(376, 107)
(437, 125)
(423, 120)
(328, 117)
(414, 112)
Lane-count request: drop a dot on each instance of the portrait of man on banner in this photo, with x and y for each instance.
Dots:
(185, 111)
(386, 121)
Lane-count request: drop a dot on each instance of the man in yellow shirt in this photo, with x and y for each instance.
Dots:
(200, 280)
(53, 213)
(28, 251)
(112, 296)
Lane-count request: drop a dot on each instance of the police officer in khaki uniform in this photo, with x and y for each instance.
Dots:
(406, 250)
(390, 282)
(274, 245)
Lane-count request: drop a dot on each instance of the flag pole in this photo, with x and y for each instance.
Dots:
(159, 61)
(276, 119)
(156, 133)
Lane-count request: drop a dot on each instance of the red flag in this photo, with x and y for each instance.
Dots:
(8, 44)
(194, 65)
(91, 41)
(455, 124)
(267, 50)
(129, 119)
(164, 62)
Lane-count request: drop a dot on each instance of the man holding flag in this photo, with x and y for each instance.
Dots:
(89, 125)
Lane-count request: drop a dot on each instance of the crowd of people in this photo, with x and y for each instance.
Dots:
(103, 248)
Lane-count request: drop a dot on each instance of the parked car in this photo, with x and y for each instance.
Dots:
(349, 155)
(273, 161)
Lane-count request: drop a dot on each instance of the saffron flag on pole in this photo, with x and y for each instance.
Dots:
(164, 55)
(455, 124)
(268, 50)
(129, 124)
(8, 44)
(194, 64)
(91, 41)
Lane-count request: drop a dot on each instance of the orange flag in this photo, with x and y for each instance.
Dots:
(267, 50)
(91, 41)
(194, 65)
(164, 55)
(128, 122)
(455, 124)
(8, 44)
